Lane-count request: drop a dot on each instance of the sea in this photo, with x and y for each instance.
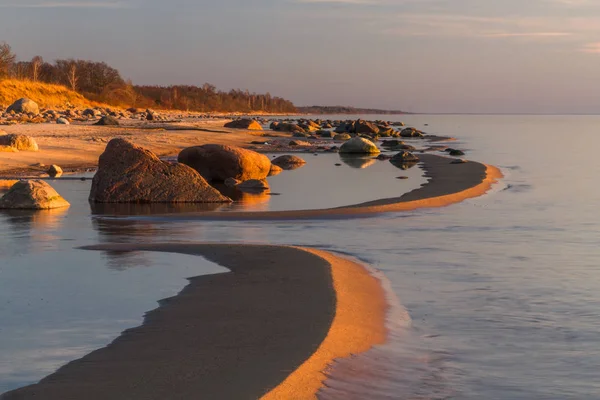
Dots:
(497, 297)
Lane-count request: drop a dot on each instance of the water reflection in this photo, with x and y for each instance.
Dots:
(245, 201)
(355, 161)
(29, 227)
(151, 208)
(403, 165)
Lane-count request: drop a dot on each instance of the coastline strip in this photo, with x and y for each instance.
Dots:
(268, 328)
(448, 184)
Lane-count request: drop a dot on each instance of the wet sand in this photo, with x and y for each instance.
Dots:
(448, 184)
(269, 328)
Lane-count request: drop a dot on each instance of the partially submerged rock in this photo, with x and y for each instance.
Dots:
(19, 142)
(24, 106)
(275, 170)
(244, 123)
(217, 162)
(288, 162)
(404, 157)
(359, 145)
(55, 171)
(253, 186)
(131, 174)
(32, 195)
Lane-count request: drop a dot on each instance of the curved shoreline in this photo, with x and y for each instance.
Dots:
(448, 184)
(268, 328)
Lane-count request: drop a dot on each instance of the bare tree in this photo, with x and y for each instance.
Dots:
(7, 59)
(36, 67)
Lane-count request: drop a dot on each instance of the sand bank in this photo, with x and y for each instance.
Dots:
(448, 184)
(269, 328)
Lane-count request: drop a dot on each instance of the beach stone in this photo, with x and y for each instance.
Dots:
(131, 174)
(275, 170)
(231, 182)
(253, 186)
(90, 112)
(32, 195)
(244, 123)
(217, 162)
(288, 127)
(55, 171)
(8, 149)
(288, 162)
(342, 137)
(459, 161)
(63, 121)
(365, 127)
(454, 152)
(384, 157)
(299, 143)
(107, 121)
(359, 145)
(411, 133)
(19, 142)
(404, 157)
(274, 125)
(24, 106)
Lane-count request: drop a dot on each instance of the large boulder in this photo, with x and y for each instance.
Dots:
(217, 162)
(288, 127)
(19, 142)
(32, 195)
(24, 105)
(288, 162)
(131, 174)
(365, 127)
(244, 123)
(107, 121)
(359, 145)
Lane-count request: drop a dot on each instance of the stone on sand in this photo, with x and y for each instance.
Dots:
(19, 142)
(244, 123)
(24, 105)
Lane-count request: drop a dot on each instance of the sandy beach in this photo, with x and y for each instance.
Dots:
(269, 328)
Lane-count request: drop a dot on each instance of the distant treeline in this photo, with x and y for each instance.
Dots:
(100, 82)
(345, 110)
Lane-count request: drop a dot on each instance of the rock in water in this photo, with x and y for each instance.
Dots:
(107, 121)
(24, 105)
(217, 162)
(131, 174)
(32, 195)
(55, 171)
(404, 157)
(288, 162)
(253, 186)
(275, 170)
(359, 145)
(19, 142)
(244, 123)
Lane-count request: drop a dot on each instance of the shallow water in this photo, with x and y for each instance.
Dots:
(501, 292)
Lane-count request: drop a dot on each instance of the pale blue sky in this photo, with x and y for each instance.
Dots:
(417, 55)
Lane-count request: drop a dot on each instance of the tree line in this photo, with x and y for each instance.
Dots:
(100, 82)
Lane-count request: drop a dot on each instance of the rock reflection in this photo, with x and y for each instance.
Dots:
(403, 165)
(151, 208)
(245, 201)
(357, 161)
(28, 227)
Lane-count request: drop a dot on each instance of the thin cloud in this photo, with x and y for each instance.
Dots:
(591, 48)
(70, 4)
(528, 34)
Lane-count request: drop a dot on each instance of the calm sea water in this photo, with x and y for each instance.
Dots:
(497, 297)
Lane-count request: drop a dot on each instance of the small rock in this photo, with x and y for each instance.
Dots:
(63, 121)
(55, 171)
(32, 195)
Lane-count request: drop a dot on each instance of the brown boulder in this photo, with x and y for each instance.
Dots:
(288, 162)
(244, 123)
(19, 142)
(32, 195)
(130, 174)
(217, 162)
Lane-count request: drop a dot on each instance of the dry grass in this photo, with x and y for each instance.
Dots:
(46, 95)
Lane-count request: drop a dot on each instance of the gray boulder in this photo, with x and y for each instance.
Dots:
(24, 105)
(359, 145)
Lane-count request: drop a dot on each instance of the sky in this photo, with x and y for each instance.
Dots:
(447, 56)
